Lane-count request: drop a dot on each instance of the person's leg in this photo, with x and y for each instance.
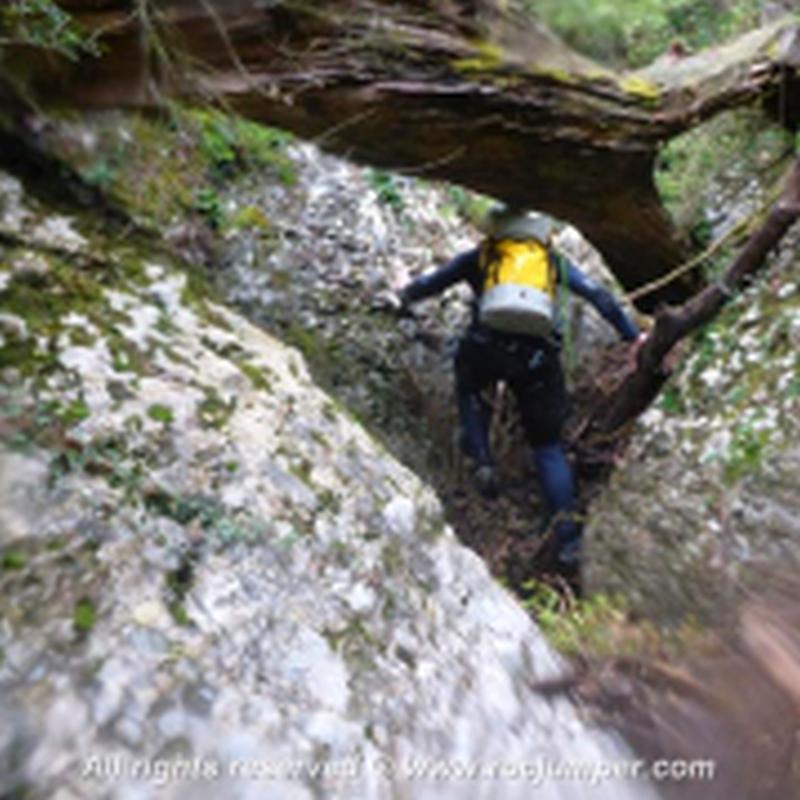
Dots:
(558, 487)
(475, 414)
(542, 399)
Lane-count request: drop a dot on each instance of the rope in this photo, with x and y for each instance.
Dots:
(687, 266)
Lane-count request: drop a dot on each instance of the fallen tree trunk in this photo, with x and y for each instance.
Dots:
(472, 93)
(672, 324)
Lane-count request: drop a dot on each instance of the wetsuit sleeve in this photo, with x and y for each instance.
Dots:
(464, 267)
(601, 299)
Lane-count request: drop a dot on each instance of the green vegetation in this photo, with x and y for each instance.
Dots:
(602, 626)
(213, 411)
(636, 32)
(40, 303)
(77, 411)
(717, 163)
(84, 616)
(208, 204)
(257, 376)
(387, 187)
(469, 206)
(44, 25)
(178, 584)
(161, 413)
(230, 145)
(575, 626)
(745, 450)
(671, 401)
(13, 560)
(180, 164)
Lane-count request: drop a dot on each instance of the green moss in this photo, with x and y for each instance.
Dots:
(178, 584)
(76, 412)
(179, 613)
(41, 303)
(488, 56)
(555, 75)
(355, 643)
(257, 376)
(13, 560)
(671, 401)
(168, 167)
(125, 356)
(305, 340)
(745, 451)
(213, 411)
(84, 616)
(640, 88)
(161, 413)
(392, 558)
(329, 501)
(302, 470)
(251, 218)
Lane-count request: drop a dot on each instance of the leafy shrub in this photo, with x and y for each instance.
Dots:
(230, 145)
(387, 188)
(635, 32)
(716, 164)
(575, 627)
(43, 24)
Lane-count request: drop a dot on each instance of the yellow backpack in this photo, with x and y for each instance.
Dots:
(519, 287)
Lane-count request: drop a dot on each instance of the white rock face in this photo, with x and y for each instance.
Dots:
(216, 584)
(708, 494)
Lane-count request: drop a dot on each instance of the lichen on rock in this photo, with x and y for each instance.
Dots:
(674, 530)
(269, 590)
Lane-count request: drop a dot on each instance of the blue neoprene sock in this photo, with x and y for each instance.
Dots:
(558, 487)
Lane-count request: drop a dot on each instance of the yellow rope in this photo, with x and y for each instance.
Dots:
(687, 266)
(682, 269)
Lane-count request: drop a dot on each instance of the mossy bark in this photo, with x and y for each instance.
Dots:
(473, 93)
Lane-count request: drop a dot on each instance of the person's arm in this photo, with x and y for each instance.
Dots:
(458, 269)
(602, 300)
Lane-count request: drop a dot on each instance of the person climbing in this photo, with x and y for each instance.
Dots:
(514, 336)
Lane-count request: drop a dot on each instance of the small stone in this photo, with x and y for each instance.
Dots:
(400, 516)
(13, 327)
(30, 266)
(58, 232)
(130, 731)
(149, 614)
(172, 723)
(362, 599)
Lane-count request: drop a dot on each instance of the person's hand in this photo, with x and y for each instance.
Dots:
(395, 303)
(403, 304)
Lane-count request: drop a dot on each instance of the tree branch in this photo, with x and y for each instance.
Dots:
(487, 98)
(637, 390)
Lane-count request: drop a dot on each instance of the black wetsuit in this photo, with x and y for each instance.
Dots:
(532, 369)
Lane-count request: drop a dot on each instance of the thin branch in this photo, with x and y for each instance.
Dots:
(639, 388)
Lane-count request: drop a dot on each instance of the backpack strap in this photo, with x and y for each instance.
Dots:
(488, 257)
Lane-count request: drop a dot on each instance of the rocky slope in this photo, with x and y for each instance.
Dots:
(343, 241)
(214, 582)
(706, 504)
(313, 249)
